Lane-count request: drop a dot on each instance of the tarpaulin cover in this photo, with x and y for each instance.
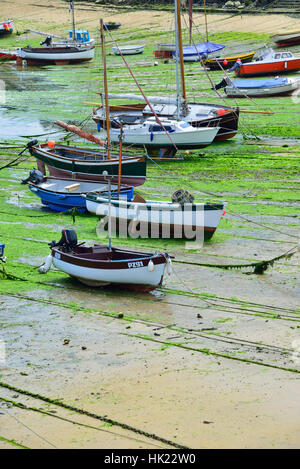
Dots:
(203, 48)
(263, 83)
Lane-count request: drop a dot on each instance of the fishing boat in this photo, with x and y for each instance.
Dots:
(101, 265)
(218, 63)
(6, 27)
(197, 114)
(286, 39)
(128, 50)
(180, 219)
(64, 161)
(66, 194)
(278, 86)
(152, 134)
(76, 49)
(269, 62)
(197, 52)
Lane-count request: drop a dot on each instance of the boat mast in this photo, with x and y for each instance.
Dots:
(105, 87)
(179, 57)
(73, 19)
(206, 29)
(190, 19)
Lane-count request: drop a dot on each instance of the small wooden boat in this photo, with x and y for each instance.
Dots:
(219, 63)
(111, 25)
(128, 50)
(104, 265)
(65, 194)
(64, 161)
(6, 27)
(269, 62)
(278, 86)
(152, 135)
(164, 51)
(57, 55)
(6, 56)
(286, 39)
(159, 219)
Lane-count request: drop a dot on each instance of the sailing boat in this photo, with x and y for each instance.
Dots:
(78, 48)
(196, 114)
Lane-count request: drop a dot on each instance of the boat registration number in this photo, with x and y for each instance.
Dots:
(134, 265)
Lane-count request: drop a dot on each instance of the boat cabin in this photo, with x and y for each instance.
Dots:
(270, 54)
(80, 35)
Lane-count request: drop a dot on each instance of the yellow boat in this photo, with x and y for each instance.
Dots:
(227, 62)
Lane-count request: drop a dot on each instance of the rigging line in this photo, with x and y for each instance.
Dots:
(30, 429)
(141, 90)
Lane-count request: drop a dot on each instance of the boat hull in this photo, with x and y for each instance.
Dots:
(286, 40)
(159, 219)
(134, 50)
(79, 164)
(132, 272)
(268, 68)
(217, 64)
(56, 55)
(277, 90)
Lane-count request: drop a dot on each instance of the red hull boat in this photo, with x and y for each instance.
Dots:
(270, 62)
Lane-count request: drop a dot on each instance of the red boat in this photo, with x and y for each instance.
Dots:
(289, 38)
(269, 63)
(6, 56)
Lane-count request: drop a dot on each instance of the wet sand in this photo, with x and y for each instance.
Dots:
(217, 371)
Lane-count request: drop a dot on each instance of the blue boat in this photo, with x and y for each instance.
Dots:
(62, 195)
(199, 51)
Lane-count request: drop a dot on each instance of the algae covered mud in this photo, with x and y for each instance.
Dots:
(211, 359)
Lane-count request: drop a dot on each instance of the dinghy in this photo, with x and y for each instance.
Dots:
(218, 63)
(199, 51)
(6, 27)
(65, 194)
(128, 50)
(105, 265)
(286, 39)
(181, 218)
(152, 135)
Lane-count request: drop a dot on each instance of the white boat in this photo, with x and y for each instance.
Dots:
(56, 55)
(172, 133)
(157, 218)
(262, 87)
(128, 50)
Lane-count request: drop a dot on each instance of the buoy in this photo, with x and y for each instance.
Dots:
(51, 143)
(155, 63)
(47, 265)
(151, 266)
(225, 62)
(221, 112)
(187, 152)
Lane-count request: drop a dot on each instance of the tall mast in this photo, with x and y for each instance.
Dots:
(73, 19)
(190, 19)
(205, 16)
(105, 87)
(179, 52)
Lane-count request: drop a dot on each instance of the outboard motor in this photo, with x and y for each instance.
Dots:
(29, 146)
(182, 197)
(35, 176)
(47, 42)
(67, 240)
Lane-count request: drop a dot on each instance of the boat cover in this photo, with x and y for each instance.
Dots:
(203, 48)
(263, 83)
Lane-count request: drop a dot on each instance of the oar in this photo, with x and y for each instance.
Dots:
(81, 133)
(257, 112)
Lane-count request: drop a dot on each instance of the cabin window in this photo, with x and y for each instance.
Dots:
(184, 125)
(277, 56)
(284, 55)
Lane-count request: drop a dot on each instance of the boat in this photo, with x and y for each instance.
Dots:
(262, 87)
(76, 49)
(269, 62)
(77, 163)
(66, 194)
(286, 39)
(112, 25)
(197, 52)
(179, 219)
(2, 257)
(197, 114)
(219, 63)
(101, 265)
(6, 27)
(6, 56)
(167, 133)
(164, 51)
(128, 50)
